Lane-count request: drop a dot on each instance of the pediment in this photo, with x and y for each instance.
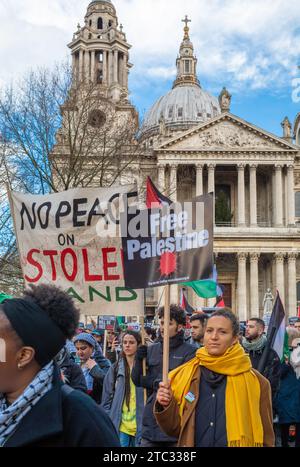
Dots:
(225, 133)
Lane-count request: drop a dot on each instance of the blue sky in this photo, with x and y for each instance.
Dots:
(252, 48)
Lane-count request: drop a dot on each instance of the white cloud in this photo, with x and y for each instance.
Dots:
(250, 45)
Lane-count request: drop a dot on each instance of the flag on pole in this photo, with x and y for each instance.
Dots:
(185, 304)
(277, 328)
(154, 198)
(206, 288)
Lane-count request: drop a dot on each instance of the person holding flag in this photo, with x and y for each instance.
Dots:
(255, 343)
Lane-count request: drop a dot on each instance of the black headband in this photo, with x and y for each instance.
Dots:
(35, 328)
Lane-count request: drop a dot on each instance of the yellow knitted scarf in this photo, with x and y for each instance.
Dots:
(242, 398)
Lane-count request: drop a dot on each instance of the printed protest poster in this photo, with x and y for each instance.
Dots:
(168, 245)
(72, 240)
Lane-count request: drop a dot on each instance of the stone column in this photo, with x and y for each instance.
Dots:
(254, 294)
(292, 284)
(161, 177)
(273, 197)
(241, 195)
(211, 185)
(278, 194)
(173, 183)
(104, 66)
(211, 178)
(199, 179)
(80, 64)
(116, 58)
(86, 65)
(125, 71)
(93, 59)
(279, 273)
(242, 287)
(74, 67)
(253, 196)
(110, 67)
(290, 196)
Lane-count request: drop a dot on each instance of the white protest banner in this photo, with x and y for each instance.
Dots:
(71, 240)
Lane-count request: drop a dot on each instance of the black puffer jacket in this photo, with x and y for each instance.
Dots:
(72, 373)
(272, 368)
(180, 353)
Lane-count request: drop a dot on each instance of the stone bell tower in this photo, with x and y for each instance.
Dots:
(186, 62)
(100, 51)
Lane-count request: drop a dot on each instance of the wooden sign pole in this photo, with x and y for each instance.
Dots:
(166, 335)
(142, 323)
(105, 343)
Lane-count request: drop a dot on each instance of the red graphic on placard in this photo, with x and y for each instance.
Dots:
(167, 264)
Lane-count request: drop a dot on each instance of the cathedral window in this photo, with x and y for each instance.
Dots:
(180, 112)
(297, 195)
(100, 23)
(90, 23)
(170, 114)
(101, 57)
(110, 23)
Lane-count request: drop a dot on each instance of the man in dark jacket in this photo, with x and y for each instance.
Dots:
(180, 353)
(70, 371)
(254, 344)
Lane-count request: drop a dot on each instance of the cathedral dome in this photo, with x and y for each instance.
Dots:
(183, 106)
(187, 104)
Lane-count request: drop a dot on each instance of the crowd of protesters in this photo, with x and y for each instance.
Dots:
(57, 372)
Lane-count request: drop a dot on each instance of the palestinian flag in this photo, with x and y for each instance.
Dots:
(206, 288)
(185, 304)
(220, 303)
(154, 198)
(4, 297)
(277, 329)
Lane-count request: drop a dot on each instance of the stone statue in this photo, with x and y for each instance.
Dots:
(287, 128)
(225, 100)
(162, 126)
(268, 302)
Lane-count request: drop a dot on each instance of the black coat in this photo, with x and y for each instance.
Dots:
(180, 353)
(272, 368)
(64, 418)
(72, 373)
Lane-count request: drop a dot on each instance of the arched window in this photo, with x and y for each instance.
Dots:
(110, 23)
(90, 22)
(100, 23)
(297, 203)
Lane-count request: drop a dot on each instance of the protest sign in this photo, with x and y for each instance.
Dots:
(71, 240)
(170, 245)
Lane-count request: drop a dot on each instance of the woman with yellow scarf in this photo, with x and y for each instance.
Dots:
(217, 399)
